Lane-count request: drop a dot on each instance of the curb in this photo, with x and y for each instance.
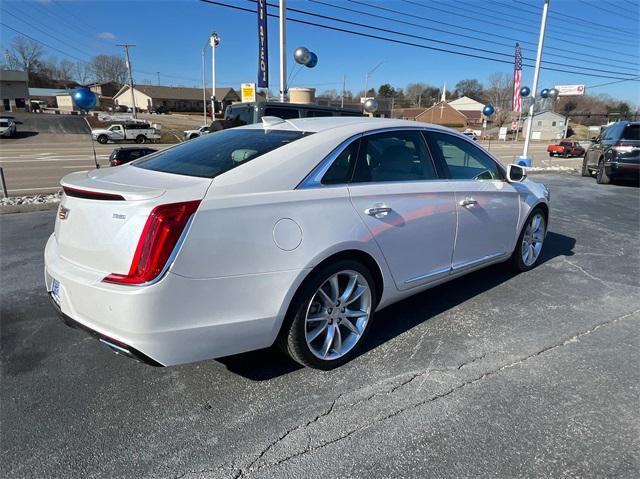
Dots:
(10, 209)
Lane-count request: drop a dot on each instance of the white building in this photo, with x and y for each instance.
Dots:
(14, 89)
(466, 104)
(547, 125)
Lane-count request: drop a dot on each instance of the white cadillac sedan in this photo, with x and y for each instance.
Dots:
(289, 232)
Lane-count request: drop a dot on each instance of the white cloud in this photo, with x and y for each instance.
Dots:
(106, 36)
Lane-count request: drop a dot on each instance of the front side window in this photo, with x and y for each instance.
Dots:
(280, 112)
(394, 156)
(464, 160)
(215, 153)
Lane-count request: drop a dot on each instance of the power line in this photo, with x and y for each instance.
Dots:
(401, 42)
(509, 45)
(560, 16)
(600, 8)
(611, 83)
(419, 37)
(547, 47)
(492, 23)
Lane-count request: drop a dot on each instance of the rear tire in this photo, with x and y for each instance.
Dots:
(528, 250)
(601, 176)
(346, 321)
(103, 139)
(140, 139)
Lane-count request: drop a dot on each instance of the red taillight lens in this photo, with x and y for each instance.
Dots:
(115, 163)
(159, 237)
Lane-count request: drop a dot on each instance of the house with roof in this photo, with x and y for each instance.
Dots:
(174, 98)
(442, 113)
(547, 125)
(14, 89)
(470, 108)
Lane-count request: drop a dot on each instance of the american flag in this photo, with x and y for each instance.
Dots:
(516, 104)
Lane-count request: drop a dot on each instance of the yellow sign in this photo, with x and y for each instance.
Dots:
(248, 92)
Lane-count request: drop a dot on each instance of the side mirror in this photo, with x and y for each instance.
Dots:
(516, 173)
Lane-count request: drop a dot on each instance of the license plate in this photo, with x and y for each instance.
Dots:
(55, 291)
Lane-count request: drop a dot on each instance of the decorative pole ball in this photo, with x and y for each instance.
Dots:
(524, 91)
(84, 99)
(488, 110)
(371, 105)
(545, 93)
(301, 55)
(214, 40)
(313, 60)
(553, 93)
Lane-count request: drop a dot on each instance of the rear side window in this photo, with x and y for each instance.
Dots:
(242, 115)
(280, 112)
(464, 160)
(631, 132)
(341, 169)
(394, 156)
(215, 153)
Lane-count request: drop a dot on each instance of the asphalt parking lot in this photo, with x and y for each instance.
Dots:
(491, 375)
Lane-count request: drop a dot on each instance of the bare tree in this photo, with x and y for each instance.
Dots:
(108, 68)
(331, 94)
(25, 54)
(498, 93)
(82, 72)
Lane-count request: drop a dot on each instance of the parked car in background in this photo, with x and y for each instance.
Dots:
(159, 110)
(566, 149)
(7, 128)
(247, 113)
(191, 134)
(121, 156)
(290, 232)
(615, 154)
(470, 134)
(133, 131)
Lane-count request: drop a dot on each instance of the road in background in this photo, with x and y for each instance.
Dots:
(492, 375)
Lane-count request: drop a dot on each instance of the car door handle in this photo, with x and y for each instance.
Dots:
(468, 202)
(378, 211)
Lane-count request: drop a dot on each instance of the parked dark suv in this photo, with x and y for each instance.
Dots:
(240, 114)
(615, 154)
(120, 156)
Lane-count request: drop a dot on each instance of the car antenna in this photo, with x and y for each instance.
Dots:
(269, 121)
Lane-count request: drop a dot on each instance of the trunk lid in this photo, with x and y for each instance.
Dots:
(103, 212)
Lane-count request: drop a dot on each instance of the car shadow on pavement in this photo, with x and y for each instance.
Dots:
(398, 318)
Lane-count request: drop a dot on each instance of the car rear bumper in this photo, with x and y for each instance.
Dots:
(619, 169)
(177, 320)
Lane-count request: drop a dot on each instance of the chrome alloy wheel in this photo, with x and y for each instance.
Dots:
(532, 239)
(338, 314)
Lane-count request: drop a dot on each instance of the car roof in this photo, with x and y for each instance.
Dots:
(354, 124)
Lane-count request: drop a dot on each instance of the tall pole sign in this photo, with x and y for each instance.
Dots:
(263, 45)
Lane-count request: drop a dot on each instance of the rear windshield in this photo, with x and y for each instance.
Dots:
(631, 132)
(215, 153)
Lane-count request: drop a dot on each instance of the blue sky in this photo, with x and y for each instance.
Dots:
(169, 36)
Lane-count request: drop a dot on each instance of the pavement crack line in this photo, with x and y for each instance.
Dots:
(572, 339)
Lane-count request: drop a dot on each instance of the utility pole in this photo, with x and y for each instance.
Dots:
(126, 47)
(368, 74)
(344, 81)
(536, 75)
(283, 49)
(158, 78)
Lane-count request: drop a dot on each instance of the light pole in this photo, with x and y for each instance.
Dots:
(282, 21)
(536, 74)
(204, 83)
(366, 77)
(214, 41)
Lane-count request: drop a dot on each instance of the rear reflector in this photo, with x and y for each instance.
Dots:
(91, 195)
(159, 238)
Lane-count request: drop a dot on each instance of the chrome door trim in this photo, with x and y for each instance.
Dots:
(428, 275)
(474, 262)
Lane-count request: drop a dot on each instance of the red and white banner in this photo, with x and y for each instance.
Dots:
(570, 90)
(516, 104)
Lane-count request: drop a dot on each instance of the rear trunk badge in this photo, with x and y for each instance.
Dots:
(63, 213)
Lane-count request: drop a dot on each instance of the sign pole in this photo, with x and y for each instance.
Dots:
(283, 49)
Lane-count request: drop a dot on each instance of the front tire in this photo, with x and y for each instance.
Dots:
(330, 315)
(528, 249)
(601, 176)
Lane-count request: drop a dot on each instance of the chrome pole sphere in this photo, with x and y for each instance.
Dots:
(371, 105)
(553, 93)
(488, 110)
(545, 93)
(525, 91)
(313, 60)
(214, 40)
(301, 55)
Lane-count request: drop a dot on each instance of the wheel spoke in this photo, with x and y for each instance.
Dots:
(360, 290)
(317, 331)
(322, 316)
(335, 287)
(355, 313)
(328, 341)
(325, 297)
(350, 326)
(337, 339)
(535, 223)
(532, 253)
(348, 291)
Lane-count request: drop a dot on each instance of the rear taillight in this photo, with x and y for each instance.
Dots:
(624, 148)
(115, 162)
(160, 235)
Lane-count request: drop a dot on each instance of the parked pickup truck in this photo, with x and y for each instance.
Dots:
(566, 148)
(138, 132)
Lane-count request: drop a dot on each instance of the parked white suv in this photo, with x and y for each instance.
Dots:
(191, 134)
(7, 128)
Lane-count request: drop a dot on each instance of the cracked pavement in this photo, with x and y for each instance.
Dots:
(491, 375)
